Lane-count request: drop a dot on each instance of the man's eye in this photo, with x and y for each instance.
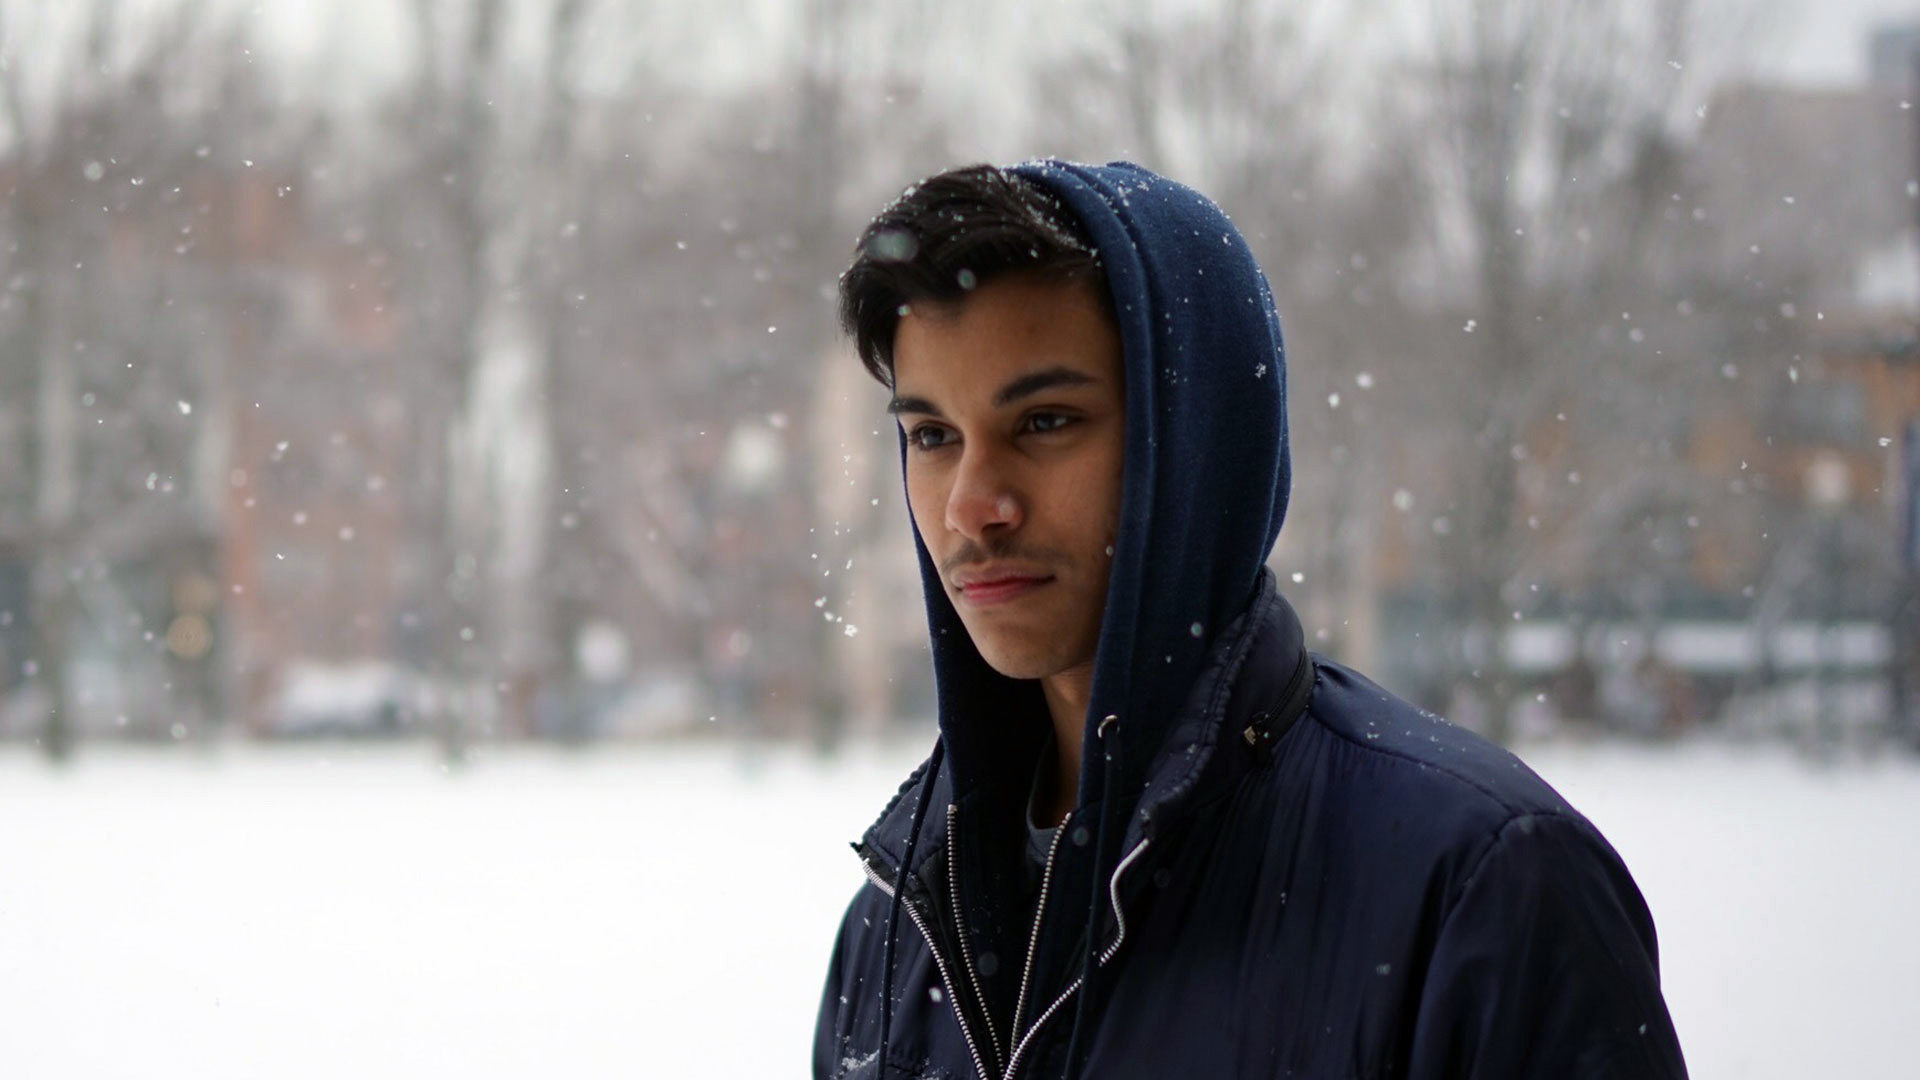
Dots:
(928, 437)
(1048, 421)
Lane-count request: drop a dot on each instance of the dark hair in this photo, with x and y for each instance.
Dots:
(947, 235)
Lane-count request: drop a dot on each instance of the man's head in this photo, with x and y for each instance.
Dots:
(978, 299)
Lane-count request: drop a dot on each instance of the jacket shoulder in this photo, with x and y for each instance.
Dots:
(1391, 794)
(1416, 758)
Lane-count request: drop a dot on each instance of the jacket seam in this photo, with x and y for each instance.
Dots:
(1497, 837)
(1604, 1052)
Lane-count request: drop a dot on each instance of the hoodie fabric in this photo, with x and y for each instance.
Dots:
(1276, 868)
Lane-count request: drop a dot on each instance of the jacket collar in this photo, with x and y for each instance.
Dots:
(1253, 687)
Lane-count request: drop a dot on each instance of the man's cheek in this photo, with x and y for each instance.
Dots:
(918, 502)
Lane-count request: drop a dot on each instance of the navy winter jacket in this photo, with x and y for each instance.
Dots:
(1277, 868)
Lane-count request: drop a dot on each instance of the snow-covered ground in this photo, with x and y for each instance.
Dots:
(351, 912)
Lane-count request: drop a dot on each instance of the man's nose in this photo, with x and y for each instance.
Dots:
(982, 499)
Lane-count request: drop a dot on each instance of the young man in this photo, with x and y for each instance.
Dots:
(1156, 838)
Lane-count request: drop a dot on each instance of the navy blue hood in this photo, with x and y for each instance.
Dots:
(1205, 485)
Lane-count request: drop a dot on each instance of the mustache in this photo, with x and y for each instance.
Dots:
(970, 553)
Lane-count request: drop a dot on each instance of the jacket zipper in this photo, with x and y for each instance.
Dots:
(939, 963)
(1033, 940)
(1107, 954)
(960, 930)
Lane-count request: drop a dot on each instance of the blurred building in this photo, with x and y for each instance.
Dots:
(1757, 541)
(313, 519)
(270, 534)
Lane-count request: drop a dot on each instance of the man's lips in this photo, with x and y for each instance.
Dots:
(998, 588)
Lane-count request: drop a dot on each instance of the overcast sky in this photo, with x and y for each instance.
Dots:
(347, 49)
(1814, 41)
(1826, 42)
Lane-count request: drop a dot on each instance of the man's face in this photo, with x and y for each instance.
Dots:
(1012, 402)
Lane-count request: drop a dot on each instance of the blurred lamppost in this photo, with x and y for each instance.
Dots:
(603, 657)
(1906, 615)
(1905, 669)
(1827, 489)
(753, 469)
(1903, 682)
(189, 640)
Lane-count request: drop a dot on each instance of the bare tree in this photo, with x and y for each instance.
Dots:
(1243, 99)
(1555, 159)
(101, 327)
(451, 125)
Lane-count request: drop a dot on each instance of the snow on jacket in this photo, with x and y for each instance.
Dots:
(1277, 868)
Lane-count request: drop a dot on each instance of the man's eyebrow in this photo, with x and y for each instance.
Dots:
(912, 405)
(1024, 386)
(1028, 385)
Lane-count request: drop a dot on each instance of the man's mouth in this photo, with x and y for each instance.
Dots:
(998, 588)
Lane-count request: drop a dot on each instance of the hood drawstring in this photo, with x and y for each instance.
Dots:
(899, 891)
(1110, 805)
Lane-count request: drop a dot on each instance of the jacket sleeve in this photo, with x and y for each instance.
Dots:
(1545, 964)
(830, 1027)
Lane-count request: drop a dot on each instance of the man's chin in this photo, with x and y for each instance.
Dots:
(1016, 662)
